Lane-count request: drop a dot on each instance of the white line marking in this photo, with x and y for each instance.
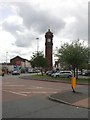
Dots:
(37, 92)
(15, 93)
(6, 82)
(35, 88)
(29, 87)
(38, 87)
(13, 85)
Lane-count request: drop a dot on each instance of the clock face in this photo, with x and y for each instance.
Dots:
(49, 40)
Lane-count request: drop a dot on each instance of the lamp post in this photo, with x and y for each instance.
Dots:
(89, 64)
(37, 44)
(6, 58)
(6, 61)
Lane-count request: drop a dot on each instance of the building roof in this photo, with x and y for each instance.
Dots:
(19, 58)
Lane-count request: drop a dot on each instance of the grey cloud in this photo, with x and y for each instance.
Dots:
(20, 52)
(80, 27)
(37, 20)
(24, 40)
(11, 27)
(77, 29)
(40, 21)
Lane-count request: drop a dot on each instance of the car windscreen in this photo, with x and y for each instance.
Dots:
(16, 69)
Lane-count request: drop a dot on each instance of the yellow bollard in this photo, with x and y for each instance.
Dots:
(73, 84)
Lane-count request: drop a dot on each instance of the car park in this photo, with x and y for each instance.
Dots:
(62, 74)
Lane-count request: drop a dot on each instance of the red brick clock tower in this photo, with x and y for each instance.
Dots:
(49, 48)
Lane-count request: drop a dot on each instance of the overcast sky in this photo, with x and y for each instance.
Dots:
(22, 22)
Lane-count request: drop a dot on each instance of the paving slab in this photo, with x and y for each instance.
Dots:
(83, 103)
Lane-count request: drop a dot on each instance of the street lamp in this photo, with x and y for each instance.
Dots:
(6, 58)
(6, 61)
(37, 44)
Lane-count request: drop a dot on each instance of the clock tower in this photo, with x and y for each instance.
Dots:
(49, 48)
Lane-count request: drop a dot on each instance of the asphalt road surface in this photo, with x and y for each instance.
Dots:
(23, 98)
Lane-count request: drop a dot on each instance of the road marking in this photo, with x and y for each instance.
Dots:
(38, 87)
(6, 82)
(25, 93)
(13, 85)
(37, 92)
(15, 93)
(35, 88)
(29, 87)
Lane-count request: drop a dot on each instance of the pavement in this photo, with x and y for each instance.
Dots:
(79, 98)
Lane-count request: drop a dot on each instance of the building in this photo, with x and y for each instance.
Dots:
(18, 61)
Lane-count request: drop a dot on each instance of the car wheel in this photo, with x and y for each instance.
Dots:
(57, 76)
(3, 74)
(69, 76)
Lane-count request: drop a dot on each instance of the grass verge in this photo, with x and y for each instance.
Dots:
(79, 80)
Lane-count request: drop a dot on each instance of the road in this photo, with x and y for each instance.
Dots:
(23, 98)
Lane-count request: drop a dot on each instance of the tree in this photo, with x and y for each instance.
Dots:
(74, 55)
(38, 61)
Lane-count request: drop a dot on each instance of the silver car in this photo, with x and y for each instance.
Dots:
(56, 74)
(62, 74)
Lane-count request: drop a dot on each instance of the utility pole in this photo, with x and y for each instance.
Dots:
(6, 61)
(37, 44)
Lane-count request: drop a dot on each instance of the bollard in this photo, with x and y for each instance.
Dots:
(73, 84)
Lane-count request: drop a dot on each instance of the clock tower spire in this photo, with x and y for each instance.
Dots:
(49, 48)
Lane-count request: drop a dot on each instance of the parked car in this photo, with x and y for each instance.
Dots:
(63, 74)
(1, 73)
(86, 73)
(79, 72)
(56, 74)
(50, 72)
(22, 70)
(16, 71)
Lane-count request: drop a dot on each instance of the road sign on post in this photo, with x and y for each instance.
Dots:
(73, 83)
